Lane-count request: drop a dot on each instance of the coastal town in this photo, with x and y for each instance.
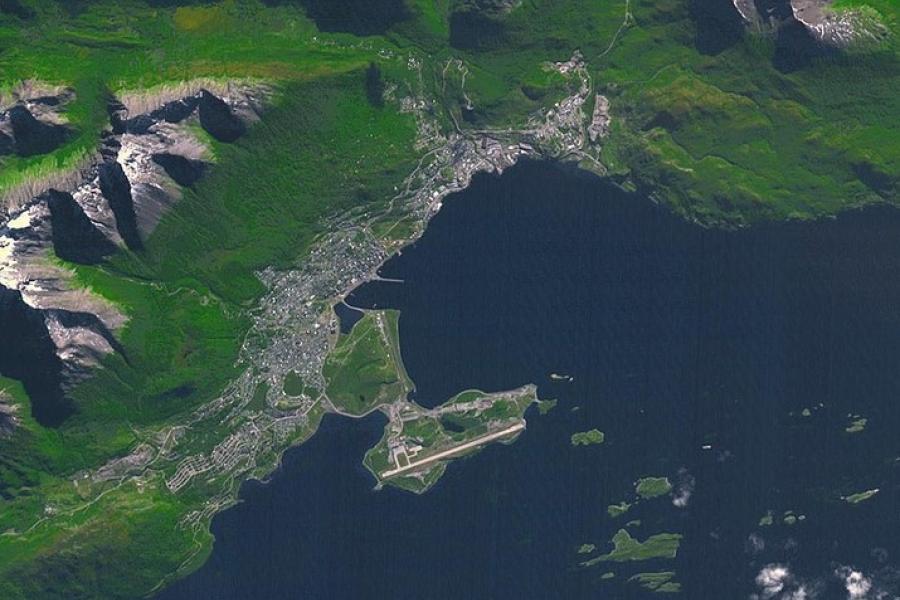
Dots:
(295, 328)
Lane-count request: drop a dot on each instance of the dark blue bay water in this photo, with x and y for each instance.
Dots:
(347, 316)
(677, 338)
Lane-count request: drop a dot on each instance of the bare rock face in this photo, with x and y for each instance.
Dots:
(747, 10)
(96, 207)
(80, 337)
(116, 188)
(54, 330)
(9, 418)
(31, 121)
(25, 242)
(764, 13)
(183, 171)
(28, 354)
(837, 28)
(158, 152)
(495, 6)
(31, 136)
(218, 119)
(75, 238)
(154, 190)
(830, 27)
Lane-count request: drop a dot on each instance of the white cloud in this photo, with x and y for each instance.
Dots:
(776, 582)
(798, 594)
(772, 580)
(858, 585)
(684, 489)
(682, 497)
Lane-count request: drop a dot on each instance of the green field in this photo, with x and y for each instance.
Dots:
(365, 370)
(293, 384)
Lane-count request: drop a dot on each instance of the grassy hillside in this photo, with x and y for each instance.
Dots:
(364, 369)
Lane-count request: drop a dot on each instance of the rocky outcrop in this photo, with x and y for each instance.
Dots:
(75, 238)
(9, 418)
(157, 150)
(173, 111)
(184, 171)
(815, 18)
(54, 330)
(839, 28)
(28, 354)
(765, 13)
(154, 190)
(31, 121)
(48, 349)
(30, 136)
(116, 188)
(218, 119)
(81, 337)
(493, 7)
(25, 243)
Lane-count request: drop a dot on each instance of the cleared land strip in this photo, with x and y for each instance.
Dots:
(455, 450)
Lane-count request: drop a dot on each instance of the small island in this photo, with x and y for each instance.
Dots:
(588, 438)
(365, 373)
(657, 582)
(418, 442)
(561, 377)
(857, 424)
(860, 496)
(652, 487)
(627, 548)
(617, 510)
